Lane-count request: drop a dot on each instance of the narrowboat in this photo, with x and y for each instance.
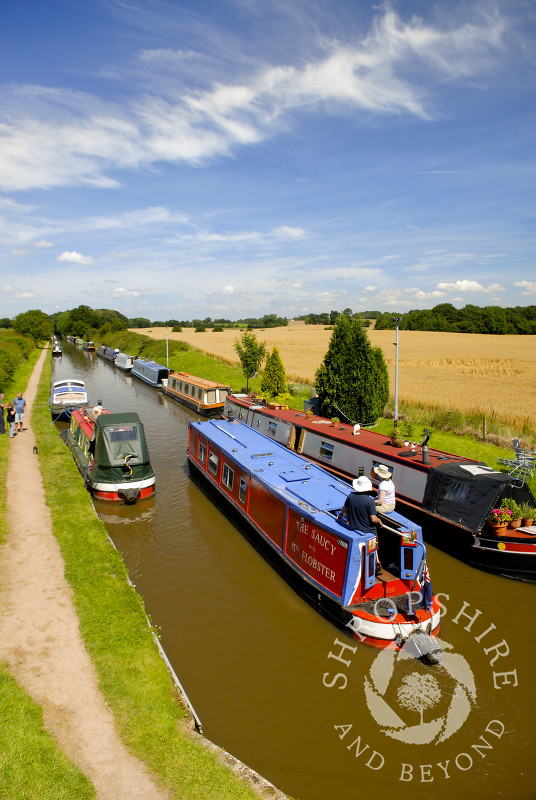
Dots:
(56, 349)
(124, 362)
(450, 496)
(150, 372)
(107, 353)
(112, 455)
(88, 346)
(202, 396)
(65, 397)
(288, 509)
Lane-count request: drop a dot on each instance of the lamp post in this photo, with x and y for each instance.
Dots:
(167, 350)
(395, 420)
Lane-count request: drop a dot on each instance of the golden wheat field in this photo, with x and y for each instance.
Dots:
(469, 372)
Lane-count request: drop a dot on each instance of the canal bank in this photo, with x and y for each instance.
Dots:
(75, 636)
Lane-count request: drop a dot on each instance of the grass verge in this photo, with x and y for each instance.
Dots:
(31, 765)
(132, 676)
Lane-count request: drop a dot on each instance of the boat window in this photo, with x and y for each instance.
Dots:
(211, 396)
(122, 441)
(202, 455)
(200, 394)
(212, 463)
(457, 491)
(227, 476)
(242, 490)
(179, 386)
(272, 427)
(174, 383)
(326, 451)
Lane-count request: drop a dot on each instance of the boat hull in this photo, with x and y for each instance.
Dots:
(192, 404)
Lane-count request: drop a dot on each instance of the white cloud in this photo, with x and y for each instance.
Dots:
(62, 137)
(462, 286)
(43, 243)
(8, 288)
(228, 290)
(117, 293)
(286, 232)
(528, 286)
(75, 258)
(25, 295)
(22, 252)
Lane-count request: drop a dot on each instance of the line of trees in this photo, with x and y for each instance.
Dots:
(469, 319)
(332, 317)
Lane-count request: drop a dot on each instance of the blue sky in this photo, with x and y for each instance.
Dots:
(175, 159)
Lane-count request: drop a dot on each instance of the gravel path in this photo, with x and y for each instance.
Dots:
(39, 636)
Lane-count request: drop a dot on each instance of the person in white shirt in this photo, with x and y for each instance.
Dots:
(385, 500)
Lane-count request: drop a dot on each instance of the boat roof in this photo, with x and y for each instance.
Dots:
(122, 418)
(378, 444)
(309, 487)
(68, 382)
(153, 364)
(196, 381)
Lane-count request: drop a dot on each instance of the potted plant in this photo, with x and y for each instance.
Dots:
(528, 513)
(499, 519)
(515, 511)
(396, 438)
(335, 421)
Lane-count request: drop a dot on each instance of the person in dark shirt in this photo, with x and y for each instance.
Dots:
(360, 510)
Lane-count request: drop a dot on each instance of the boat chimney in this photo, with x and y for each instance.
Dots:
(424, 446)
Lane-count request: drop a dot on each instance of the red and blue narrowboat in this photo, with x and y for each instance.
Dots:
(288, 508)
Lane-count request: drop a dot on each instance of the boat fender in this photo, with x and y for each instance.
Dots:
(424, 647)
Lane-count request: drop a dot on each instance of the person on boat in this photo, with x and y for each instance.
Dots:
(20, 404)
(385, 500)
(98, 409)
(360, 511)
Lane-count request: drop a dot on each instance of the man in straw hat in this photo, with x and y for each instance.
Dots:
(385, 499)
(360, 511)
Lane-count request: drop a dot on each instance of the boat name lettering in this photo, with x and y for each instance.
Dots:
(322, 540)
(312, 562)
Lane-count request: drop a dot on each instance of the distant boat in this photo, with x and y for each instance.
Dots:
(111, 453)
(150, 372)
(88, 346)
(56, 349)
(107, 353)
(66, 396)
(288, 508)
(203, 396)
(124, 362)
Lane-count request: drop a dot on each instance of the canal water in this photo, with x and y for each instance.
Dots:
(276, 685)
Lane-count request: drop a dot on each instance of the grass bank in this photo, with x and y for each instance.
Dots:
(31, 765)
(113, 624)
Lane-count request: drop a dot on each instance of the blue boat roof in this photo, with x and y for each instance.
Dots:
(289, 474)
(151, 364)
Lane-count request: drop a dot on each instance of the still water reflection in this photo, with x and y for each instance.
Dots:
(265, 673)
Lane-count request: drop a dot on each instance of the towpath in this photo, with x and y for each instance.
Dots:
(40, 639)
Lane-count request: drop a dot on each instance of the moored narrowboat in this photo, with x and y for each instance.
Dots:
(107, 353)
(288, 508)
(66, 396)
(150, 372)
(203, 396)
(112, 455)
(89, 346)
(124, 362)
(56, 348)
(449, 495)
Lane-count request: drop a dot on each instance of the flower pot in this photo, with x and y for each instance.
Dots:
(499, 528)
(527, 522)
(515, 523)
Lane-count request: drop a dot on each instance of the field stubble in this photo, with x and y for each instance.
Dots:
(473, 373)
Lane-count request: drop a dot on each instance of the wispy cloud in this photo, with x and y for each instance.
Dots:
(54, 137)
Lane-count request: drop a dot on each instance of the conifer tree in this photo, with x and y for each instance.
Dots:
(352, 382)
(274, 379)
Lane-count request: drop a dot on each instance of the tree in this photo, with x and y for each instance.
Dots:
(250, 353)
(274, 379)
(34, 323)
(418, 692)
(353, 379)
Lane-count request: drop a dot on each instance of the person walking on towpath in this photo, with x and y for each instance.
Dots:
(360, 510)
(11, 420)
(2, 419)
(20, 404)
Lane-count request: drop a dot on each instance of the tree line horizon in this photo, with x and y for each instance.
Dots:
(83, 320)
